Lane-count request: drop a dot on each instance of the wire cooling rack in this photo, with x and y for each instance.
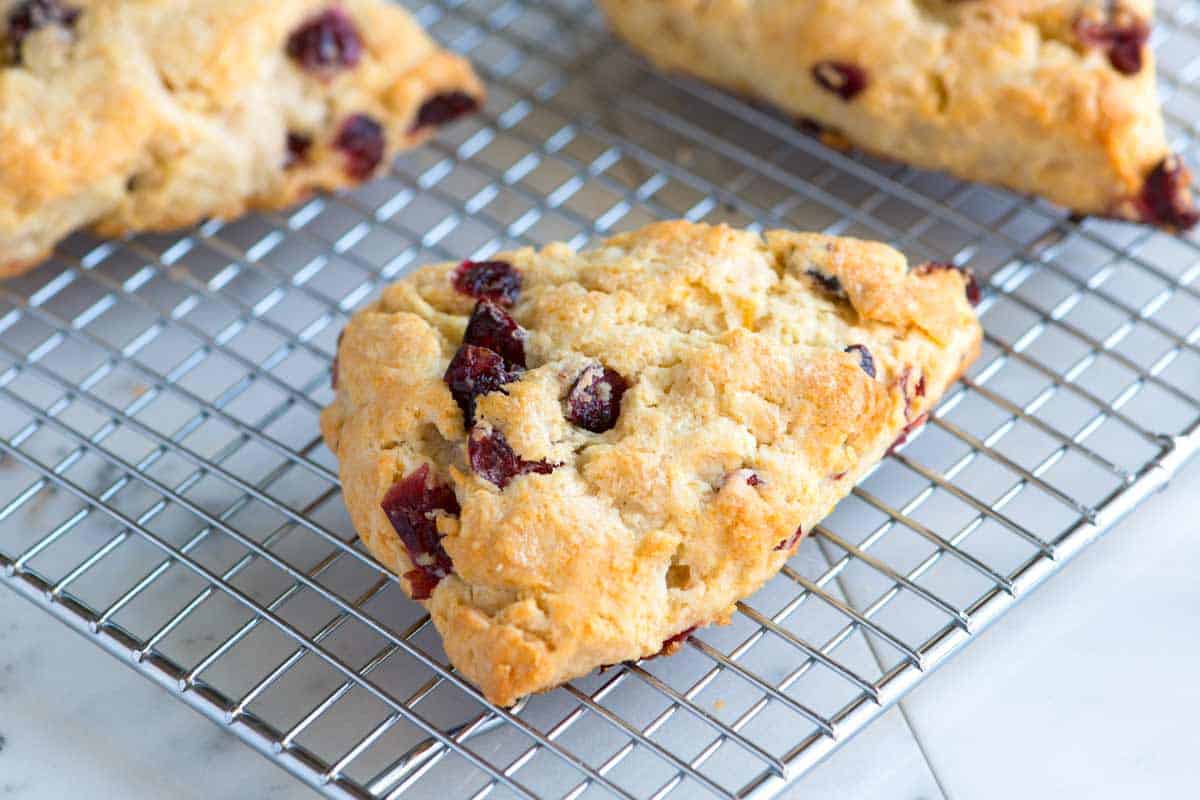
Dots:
(163, 489)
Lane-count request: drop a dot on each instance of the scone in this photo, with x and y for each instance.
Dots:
(574, 459)
(130, 115)
(1052, 97)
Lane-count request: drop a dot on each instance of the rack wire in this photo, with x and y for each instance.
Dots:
(163, 489)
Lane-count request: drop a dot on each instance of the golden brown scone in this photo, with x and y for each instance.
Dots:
(1052, 97)
(676, 406)
(129, 115)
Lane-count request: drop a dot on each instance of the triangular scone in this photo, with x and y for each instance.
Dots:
(1052, 97)
(654, 423)
(129, 116)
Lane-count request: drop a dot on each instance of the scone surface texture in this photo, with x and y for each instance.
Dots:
(654, 423)
(131, 115)
(1051, 97)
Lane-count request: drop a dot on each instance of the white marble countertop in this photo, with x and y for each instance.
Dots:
(1087, 689)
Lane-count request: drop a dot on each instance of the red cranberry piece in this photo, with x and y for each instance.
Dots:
(972, 289)
(791, 542)
(751, 478)
(1125, 52)
(362, 141)
(1123, 36)
(843, 79)
(672, 645)
(444, 107)
(829, 283)
(494, 460)
(474, 371)
(837, 476)
(492, 280)
(298, 147)
(972, 286)
(907, 431)
(326, 43)
(490, 326)
(594, 402)
(32, 15)
(409, 506)
(865, 359)
(918, 390)
(421, 583)
(1166, 197)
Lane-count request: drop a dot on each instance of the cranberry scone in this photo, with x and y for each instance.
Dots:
(574, 459)
(1051, 97)
(127, 116)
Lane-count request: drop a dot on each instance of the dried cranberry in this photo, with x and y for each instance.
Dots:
(31, 15)
(444, 107)
(298, 147)
(326, 43)
(972, 285)
(492, 280)
(751, 478)
(594, 402)
(843, 79)
(865, 359)
(362, 140)
(490, 326)
(671, 645)
(494, 460)
(1166, 197)
(972, 289)
(1123, 37)
(906, 431)
(1125, 52)
(421, 583)
(839, 475)
(829, 283)
(409, 506)
(918, 389)
(790, 542)
(474, 371)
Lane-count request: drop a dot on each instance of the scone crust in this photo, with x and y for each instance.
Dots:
(736, 358)
(149, 116)
(1001, 91)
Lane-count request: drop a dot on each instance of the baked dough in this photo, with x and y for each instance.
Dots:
(674, 409)
(131, 115)
(1051, 97)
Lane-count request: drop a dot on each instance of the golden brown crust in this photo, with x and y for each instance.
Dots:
(148, 116)
(1003, 91)
(11, 269)
(736, 358)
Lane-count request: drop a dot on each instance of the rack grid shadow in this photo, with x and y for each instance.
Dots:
(164, 491)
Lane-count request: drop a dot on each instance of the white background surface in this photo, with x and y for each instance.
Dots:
(1086, 689)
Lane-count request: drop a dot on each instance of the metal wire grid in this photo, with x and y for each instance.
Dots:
(163, 489)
